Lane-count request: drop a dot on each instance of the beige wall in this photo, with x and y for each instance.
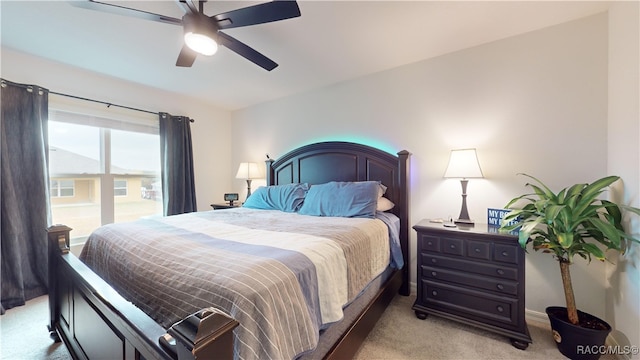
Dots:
(87, 190)
(623, 279)
(84, 192)
(134, 192)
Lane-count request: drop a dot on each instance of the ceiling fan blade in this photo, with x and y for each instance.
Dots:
(186, 57)
(189, 6)
(258, 14)
(245, 51)
(121, 10)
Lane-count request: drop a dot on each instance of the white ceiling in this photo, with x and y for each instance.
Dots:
(331, 42)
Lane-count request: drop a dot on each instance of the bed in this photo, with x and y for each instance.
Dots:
(96, 321)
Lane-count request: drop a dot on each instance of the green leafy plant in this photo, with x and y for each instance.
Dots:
(572, 222)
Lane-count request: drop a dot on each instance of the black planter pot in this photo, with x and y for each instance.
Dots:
(577, 342)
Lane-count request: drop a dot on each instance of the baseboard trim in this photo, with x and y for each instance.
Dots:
(613, 342)
(536, 316)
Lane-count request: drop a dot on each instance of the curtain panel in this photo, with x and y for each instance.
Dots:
(178, 185)
(24, 194)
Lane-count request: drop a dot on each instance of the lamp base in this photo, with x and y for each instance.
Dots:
(248, 189)
(463, 219)
(464, 222)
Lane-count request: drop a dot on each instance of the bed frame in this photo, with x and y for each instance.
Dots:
(94, 321)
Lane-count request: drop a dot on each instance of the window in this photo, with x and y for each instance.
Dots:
(120, 187)
(102, 170)
(62, 188)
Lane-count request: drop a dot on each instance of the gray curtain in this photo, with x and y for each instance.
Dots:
(24, 193)
(178, 186)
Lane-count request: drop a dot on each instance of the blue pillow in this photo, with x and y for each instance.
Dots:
(286, 198)
(342, 199)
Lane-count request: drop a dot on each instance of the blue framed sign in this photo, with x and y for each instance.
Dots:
(494, 220)
(494, 217)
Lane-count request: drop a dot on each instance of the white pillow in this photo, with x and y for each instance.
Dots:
(384, 204)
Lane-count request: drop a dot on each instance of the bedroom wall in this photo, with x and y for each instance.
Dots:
(534, 103)
(210, 131)
(623, 294)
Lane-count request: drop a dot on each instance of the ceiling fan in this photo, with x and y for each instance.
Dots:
(202, 33)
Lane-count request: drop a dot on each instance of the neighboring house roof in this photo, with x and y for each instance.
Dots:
(64, 162)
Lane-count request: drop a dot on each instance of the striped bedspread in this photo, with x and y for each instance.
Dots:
(283, 276)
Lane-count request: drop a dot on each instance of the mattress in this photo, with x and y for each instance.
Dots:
(282, 276)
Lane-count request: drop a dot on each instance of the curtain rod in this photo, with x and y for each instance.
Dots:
(92, 100)
(108, 103)
(103, 102)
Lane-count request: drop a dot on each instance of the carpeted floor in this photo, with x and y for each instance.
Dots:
(25, 336)
(399, 335)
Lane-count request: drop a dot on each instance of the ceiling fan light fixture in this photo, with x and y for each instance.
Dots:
(200, 34)
(200, 43)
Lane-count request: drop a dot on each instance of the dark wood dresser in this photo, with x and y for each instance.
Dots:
(474, 275)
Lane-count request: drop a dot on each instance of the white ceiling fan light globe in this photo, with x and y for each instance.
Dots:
(201, 44)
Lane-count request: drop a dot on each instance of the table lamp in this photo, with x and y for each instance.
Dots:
(248, 171)
(463, 164)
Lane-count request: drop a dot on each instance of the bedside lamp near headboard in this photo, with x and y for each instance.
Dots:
(248, 171)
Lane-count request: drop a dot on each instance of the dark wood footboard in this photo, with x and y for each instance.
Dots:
(95, 322)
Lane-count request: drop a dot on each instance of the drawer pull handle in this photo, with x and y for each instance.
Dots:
(500, 272)
(504, 253)
(434, 293)
(434, 260)
(429, 243)
(433, 273)
(500, 308)
(477, 250)
(452, 246)
(500, 287)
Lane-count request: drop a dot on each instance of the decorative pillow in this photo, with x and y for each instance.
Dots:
(384, 204)
(381, 189)
(342, 199)
(287, 198)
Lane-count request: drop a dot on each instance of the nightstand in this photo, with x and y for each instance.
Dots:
(225, 206)
(474, 275)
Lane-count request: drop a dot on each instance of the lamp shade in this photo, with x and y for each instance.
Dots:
(248, 171)
(463, 163)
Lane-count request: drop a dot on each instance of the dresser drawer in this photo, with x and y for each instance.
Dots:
(506, 253)
(481, 282)
(429, 243)
(470, 266)
(496, 310)
(479, 249)
(453, 246)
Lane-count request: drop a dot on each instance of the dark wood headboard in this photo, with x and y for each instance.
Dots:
(344, 161)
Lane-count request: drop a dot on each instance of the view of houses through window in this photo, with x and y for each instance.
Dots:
(101, 171)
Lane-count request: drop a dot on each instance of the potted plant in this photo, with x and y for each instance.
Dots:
(572, 222)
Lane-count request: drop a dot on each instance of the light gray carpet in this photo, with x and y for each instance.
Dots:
(25, 336)
(399, 335)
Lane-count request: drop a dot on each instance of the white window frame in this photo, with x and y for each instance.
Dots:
(125, 187)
